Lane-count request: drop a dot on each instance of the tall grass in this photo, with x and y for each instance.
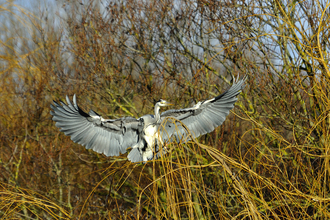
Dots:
(269, 160)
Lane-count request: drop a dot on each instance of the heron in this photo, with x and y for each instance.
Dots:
(145, 135)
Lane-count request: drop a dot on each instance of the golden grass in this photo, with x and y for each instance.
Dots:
(269, 160)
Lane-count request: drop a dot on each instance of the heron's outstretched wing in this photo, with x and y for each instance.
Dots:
(106, 136)
(203, 118)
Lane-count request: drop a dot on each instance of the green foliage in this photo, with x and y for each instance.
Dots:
(269, 160)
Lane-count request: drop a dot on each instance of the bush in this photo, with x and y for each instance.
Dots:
(268, 160)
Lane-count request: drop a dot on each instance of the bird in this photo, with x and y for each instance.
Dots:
(147, 135)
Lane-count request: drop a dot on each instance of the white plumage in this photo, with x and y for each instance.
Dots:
(144, 135)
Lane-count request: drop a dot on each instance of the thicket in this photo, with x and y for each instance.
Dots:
(269, 160)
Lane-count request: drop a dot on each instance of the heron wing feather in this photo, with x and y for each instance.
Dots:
(135, 155)
(110, 137)
(200, 119)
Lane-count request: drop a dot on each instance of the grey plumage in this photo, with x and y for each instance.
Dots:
(203, 118)
(92, 131)
(112, 137)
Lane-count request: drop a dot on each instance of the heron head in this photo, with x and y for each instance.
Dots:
(162, 102)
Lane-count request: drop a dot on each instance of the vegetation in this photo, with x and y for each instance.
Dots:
(269, 160)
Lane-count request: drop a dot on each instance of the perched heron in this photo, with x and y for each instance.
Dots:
(145, 135)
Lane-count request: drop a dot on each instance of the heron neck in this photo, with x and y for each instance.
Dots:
(157, 115)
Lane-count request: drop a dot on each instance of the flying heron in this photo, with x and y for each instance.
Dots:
(146, 134)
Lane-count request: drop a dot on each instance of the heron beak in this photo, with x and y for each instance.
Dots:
(167, 103)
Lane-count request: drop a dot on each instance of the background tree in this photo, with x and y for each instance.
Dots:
(268, 160)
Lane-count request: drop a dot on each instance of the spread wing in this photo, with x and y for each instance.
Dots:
(203, 118)
(110, 137)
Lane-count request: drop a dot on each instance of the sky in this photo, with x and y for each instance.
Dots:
(30, 4)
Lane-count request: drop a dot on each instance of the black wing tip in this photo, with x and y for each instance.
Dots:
(93, 113)
(55, 105)
(238, 85)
